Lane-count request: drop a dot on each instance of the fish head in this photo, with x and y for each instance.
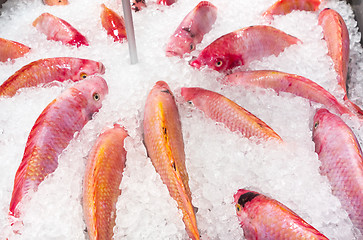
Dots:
(321, 115)
(215, 60)
(194, 95)
(88, 68)
(180, 43)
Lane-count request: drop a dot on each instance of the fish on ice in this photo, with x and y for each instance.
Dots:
(10, 50)
(283, 7)
(113, 23)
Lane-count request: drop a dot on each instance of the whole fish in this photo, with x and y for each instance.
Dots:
(164, 144)
(283, 7)
(191, 30)
(103, 176)
(10, 50)
(264, 218)
(223, 110)
(337, 38)
(58, 29)
(52, 132)
(47, 70)
(55, 2)
(285, 82)
(113, 23)
(341, 161)
(242, 47)
(165, 2)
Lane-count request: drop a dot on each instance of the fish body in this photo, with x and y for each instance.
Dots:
(165, 2)
(58, 29)
(47, 70)
(52, 132)
(165, 147)
(103, 176)
(191, 30)
(243, 46)
(341, 161)
(55, 2)
(264, 218)
(283, 7)
(113, 23)
(11, 50)
(285, 82)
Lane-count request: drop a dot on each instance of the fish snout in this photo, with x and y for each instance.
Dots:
(194, 62)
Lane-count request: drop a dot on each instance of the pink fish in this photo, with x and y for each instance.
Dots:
(47, 70)
(285, 82)
(243, 46)
(341, 161)
(283, 7)
(114, 24)
(264, 218)
(58, 29)
(165, 2)
(103, 176)
(191, 30)
(223, 110)
(11, 50)
(52, 132)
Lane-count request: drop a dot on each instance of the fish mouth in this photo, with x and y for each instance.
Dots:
(171, 53)
(194, 62)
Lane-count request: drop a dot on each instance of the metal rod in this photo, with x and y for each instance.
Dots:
(130, 30)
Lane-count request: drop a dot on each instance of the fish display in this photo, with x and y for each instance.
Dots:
(243, 46)
(264, 218)
(341, 161)
(55, 2)
(103, 176)
(224, 110)
(114, 24)
(51, 134)
(58, 29)
(11, 50)
(47, 70)
(191, 30)
(283, 7)
(285, 82)
(164, 143)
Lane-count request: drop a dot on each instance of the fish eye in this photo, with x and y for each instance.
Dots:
(219, 63)
(83, 75)
(191, 47)
(316, 124)
(238, 207)
(96, 96)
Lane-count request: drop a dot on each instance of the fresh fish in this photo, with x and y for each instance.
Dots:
(341, 161)
(337, 38)
(265, 218)
(164, 144)
(285, 82)
(47, 70)
(52, 132)
(137, 5)
(223, 110)
(55, 2)
(103, 176)
(283, 7)
(10, 50)
(113, 23)
(165, 2)
(59, 30)
(191, 30)
(242, 47)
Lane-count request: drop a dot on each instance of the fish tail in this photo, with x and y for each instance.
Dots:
(353, 107)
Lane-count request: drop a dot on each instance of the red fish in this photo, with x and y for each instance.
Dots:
(103, 176)
(285, 82)
(47, 70)
(55, 2)
(165, 2)
(223, 110)
(165, 147)
(52, 132)
(113, 23)
(10, 50)
(283, 7)
(59, 30)
(242, 47)
(265, 218)
(341, 161)
(191, 30)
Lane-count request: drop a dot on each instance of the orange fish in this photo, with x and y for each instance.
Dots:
(10, 50)
(165, 147)
(283, 7)
(113, 23)
(55, 2)
(103, 176)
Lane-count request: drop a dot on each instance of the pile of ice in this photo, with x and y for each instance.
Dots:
(218, 162)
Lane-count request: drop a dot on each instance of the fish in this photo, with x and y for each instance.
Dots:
(286, 82)
(137, 5)
(191, 30)
(341, 161)
(58, 29)
(102, 179)
(55, 2)
(47, 70)
(240, 47)
(10, 50)
(52, 131)
(163, 140)
(336, 36)
(166, 2)
(113, 23)
(233, 116)
(283, 7)
(262, 217)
